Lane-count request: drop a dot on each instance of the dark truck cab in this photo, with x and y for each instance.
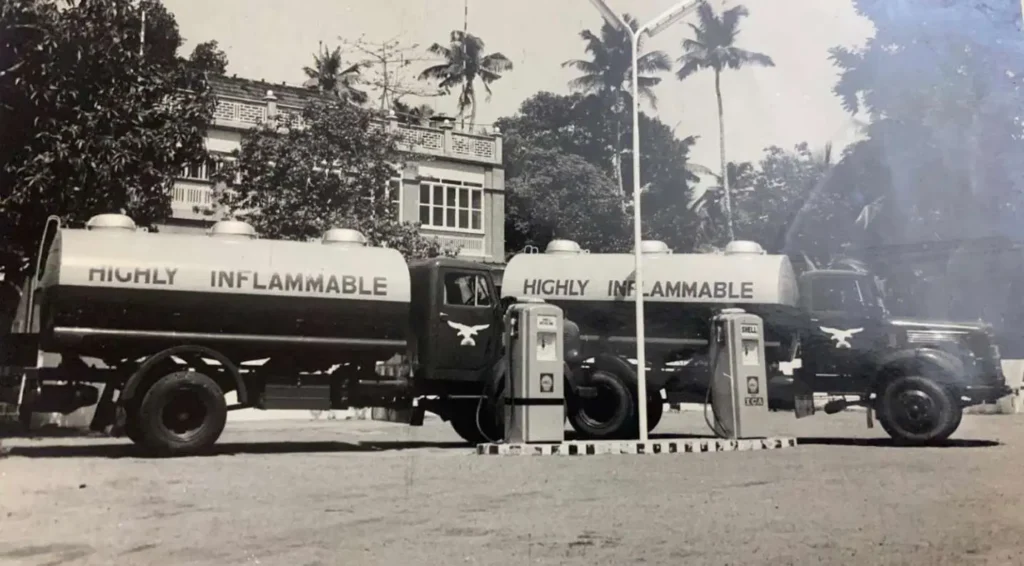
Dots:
(917, 375)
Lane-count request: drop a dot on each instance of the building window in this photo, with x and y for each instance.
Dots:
(201, 171)
(448, 204)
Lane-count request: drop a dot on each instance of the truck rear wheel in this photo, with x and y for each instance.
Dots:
(918, 411)
(182, 413)
(608, 415)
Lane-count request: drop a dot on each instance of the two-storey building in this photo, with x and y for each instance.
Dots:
(452, 182)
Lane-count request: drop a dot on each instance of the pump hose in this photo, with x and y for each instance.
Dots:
(717, 426)
(507, 421)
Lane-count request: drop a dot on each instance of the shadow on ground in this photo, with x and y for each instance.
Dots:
(226, 449)
(48, 431)
(890, 443)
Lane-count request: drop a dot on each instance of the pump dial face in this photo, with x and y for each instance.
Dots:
(546, 347)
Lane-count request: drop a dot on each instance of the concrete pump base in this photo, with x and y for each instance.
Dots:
(598, 447)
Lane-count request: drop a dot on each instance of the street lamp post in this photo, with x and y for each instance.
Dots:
(651, 28)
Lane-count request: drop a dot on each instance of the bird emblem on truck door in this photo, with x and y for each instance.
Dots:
(841, 337)
(467, 332)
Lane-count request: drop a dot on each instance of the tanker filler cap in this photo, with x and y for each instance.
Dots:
(235, 228)
(654, 247)
(344, 237)
(111, 222)
(563, 247)
(743, 247)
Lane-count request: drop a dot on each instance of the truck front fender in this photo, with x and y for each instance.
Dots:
(933, 363)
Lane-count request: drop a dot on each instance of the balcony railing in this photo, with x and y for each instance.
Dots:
(187, 195)
(440, 142)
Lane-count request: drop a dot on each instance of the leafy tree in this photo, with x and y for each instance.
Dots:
(790, 208)
(209, 58)
(91, 122)
(940, 84)
(608, 75)
(465, 62)
(330, 75)
(295, 184)
(544, 203)
(573, 125)
(714, 47)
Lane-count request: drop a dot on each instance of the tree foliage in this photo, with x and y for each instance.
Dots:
(330, 75)
(561, 195)
(296, 183)
(89, 124)
(609, 71)
(576, 125)
(789, 207)
(940, 81)
(209, 58)
(464, 64)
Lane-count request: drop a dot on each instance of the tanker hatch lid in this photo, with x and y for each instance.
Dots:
(563, 247)
(111, 222)
(233, 228)
(344, 237)
(743, 247)
(654, 247)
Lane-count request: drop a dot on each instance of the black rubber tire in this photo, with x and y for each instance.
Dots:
(655, 410)
(944, 412)
(621, 422)
(206, 403)
(463, 419)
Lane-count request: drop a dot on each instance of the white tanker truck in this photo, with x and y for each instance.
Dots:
(916, 375)
(170, 321)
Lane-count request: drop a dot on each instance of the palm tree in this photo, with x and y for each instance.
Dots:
(408, 114)
(609, 75)
(714, 48)
(328, 75)
(464, 63)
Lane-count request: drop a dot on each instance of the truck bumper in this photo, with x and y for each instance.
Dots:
(978, 394)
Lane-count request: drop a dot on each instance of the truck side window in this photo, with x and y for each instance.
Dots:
(838, 294)
(466, 290)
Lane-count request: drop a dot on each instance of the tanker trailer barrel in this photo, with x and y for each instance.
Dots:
(111, 288)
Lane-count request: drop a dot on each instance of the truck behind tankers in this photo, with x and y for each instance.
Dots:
(916, 375)
(170, 322)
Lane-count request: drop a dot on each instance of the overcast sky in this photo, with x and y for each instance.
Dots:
(793, 102)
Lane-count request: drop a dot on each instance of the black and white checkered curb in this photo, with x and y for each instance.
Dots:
(582, 448)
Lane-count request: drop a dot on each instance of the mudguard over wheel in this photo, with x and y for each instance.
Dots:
(182, 413)
(917, 410)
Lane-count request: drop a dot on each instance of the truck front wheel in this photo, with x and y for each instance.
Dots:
(918, 411)
(182, 413)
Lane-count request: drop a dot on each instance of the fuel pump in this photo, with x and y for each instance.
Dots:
(534, 396)
(739, 385)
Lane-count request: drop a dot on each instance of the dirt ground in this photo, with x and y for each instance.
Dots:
(366, 493)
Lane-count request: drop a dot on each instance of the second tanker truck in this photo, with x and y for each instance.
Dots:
(916, 375)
